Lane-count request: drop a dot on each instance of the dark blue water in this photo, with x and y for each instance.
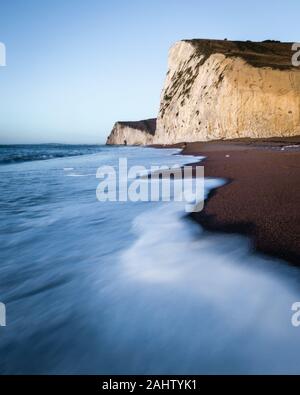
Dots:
(123, 287)
(24, 152)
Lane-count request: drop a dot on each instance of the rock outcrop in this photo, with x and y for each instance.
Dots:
(223, 90)
(133, 133)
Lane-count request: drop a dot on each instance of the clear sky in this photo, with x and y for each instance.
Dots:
(74, 67)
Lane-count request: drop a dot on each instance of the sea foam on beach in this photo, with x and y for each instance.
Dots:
(207, 302)
(124, 287)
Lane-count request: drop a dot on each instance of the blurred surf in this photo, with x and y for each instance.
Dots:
(122, 287)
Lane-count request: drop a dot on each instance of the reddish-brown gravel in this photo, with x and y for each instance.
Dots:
(262, 196)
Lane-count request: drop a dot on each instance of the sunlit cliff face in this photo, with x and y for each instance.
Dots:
(225, 93)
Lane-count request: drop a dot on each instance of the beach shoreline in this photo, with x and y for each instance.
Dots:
(262, 194)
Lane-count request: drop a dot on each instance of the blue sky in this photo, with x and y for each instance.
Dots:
(74, 67)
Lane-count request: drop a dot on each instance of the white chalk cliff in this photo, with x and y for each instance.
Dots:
(218, 89)
(132, 133)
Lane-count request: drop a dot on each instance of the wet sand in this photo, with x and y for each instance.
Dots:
(262, 196)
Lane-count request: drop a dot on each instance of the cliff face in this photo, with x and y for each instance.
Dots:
(222, 90)
(133, 133)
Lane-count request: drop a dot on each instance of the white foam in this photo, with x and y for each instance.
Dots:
(236, 305)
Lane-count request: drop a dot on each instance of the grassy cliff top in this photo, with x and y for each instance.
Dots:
(147, 125)
(269, 53)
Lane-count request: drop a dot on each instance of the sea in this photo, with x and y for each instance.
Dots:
(112, 287)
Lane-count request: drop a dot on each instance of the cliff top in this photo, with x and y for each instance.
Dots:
(147, 125)
(269, 53)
